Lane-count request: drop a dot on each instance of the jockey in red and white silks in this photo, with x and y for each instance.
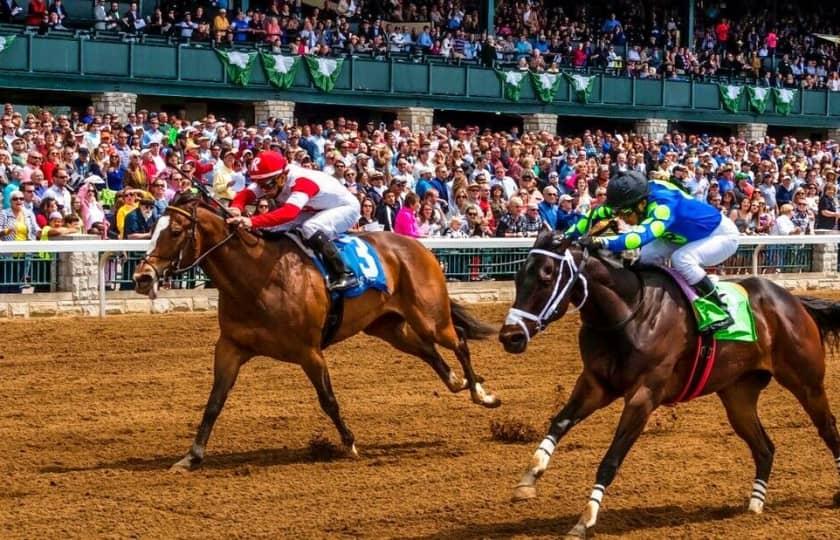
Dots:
(311, 201)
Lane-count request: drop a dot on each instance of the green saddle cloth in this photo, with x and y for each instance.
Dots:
(739, 309)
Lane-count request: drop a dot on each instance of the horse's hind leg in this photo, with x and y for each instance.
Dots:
(315, 367)
(228, 359)
(806, 383)
(394, 330)
(443, 332)
(740, 400)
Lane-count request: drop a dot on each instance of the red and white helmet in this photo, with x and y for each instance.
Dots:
(267, 165)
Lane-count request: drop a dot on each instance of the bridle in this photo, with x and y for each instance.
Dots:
(546, 315)
(174, 268)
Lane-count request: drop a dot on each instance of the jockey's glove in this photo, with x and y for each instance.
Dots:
(592, 243)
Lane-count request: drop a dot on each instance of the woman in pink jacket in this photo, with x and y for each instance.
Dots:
(405, 223)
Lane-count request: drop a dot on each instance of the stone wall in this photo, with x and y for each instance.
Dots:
(417, 119)
(279, 110)
(115, 103)
(654, 128)
(540, 122)
(752, 132)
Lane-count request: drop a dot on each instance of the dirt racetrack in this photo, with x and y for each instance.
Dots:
(93, 413)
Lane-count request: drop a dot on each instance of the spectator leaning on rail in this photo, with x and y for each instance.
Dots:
(311, 201)
(672, 226)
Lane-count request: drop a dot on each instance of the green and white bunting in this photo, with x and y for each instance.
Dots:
(238, 65)
(730, 96)
(281, 70)
(545, 85)
(6, 42)
(784, 99)
(511, 83)
(759, 96)
(582, 86)
(324, 71)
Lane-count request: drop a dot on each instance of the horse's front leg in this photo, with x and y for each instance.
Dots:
(228, 358)
(587, 397)
(637, 409)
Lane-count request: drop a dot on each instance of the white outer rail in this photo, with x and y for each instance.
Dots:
(105, 248)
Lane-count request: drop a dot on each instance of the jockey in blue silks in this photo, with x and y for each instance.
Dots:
(666, 223)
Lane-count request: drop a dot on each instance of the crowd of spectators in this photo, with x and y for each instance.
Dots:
(773, 48)
(92, 172)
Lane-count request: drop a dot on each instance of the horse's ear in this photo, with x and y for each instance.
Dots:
(545, 237)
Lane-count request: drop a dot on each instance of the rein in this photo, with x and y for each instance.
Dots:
(175, 264)
(633, 312)
(541, 320)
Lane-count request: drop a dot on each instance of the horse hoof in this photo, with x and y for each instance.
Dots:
(491, 402)
(352, 451)
(184, 466)
(524, 493)
(756, 506)
(578, 531)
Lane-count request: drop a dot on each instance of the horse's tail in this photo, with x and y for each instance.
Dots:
(827, 316)
(474, 328)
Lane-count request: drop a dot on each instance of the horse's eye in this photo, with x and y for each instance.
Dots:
(546, 272)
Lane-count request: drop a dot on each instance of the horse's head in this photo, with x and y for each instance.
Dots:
(545, 285)
(176, 244)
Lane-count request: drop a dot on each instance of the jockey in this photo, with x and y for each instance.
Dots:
(667, 223)
(316, 203)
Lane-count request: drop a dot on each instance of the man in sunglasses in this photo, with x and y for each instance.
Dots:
(668, 223)
(312, 201)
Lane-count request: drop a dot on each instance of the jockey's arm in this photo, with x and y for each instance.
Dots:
(652, 228)
(243, 199)
(583, 226)
(303, 190)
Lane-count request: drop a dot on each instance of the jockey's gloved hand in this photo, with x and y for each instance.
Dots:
(592, 243)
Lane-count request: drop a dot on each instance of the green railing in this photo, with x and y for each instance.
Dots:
(458, 264)
(28, 270)
(119, 273)
(66, 61)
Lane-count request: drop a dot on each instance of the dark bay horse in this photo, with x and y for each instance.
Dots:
(273, 302)
(637, 342)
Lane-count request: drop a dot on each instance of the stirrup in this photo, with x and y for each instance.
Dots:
(343, 283)
(717, 326)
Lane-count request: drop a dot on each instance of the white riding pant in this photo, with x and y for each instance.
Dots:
(689, 259)
(332, 221)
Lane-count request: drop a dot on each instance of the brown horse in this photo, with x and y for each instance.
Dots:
(638, 341)
(273, 302)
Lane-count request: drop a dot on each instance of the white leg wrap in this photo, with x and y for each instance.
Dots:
(543, 455)
(838, 464)
(758, 496)
(590, 515)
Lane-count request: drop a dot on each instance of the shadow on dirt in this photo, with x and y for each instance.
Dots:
(268, 457)
(622, 521)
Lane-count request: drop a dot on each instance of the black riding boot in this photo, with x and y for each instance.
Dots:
(707, 290)
(340, 277)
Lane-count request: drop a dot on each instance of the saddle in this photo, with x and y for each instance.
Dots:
(360, 257)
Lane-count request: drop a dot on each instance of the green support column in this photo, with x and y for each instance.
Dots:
(489, 14)
(243, 5)
(691, 5)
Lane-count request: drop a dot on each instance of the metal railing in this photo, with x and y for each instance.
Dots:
(38, 272)
(119, 270)
(473, 259)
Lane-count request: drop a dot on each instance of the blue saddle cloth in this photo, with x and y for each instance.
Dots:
(362, 260)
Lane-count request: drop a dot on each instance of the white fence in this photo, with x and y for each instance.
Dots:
(105, 249)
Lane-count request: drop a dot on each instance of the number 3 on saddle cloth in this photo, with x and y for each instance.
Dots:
(362, 260)
(743, 329)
